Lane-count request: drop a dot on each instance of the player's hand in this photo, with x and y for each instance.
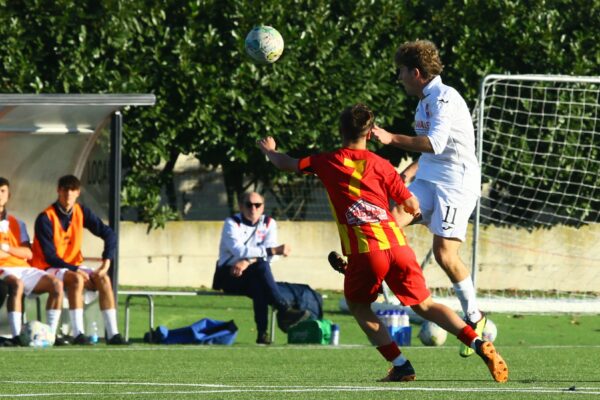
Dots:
(84, 275)
(382, 135)
(283, 250)
(102, 270)
(411, 206)
(239, 267)
(267, 144)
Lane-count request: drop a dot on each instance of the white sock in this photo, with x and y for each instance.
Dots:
(53, 318)
(15, 320)
(473, 344)
(399, 361)
(77, 321)
(110, 322)
(465, 291)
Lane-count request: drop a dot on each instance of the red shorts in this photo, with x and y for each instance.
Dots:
(397, 266)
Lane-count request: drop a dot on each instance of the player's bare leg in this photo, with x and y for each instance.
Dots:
(14, 306)
(54, 287)
(450, 321)
(107, 305)
(105, 291)
(401, 370)
(74, 284)
(15, 296)
(446, 254)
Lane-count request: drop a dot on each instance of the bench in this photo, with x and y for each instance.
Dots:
(149, 296)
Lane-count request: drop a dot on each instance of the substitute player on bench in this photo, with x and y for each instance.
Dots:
(57, 249)
(22, 279)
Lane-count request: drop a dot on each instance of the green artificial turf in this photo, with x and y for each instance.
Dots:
(548, 357)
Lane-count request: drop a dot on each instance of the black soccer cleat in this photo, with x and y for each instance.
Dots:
(117, 340)
(403, 373)
(337, 262)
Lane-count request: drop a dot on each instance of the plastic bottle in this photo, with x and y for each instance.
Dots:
(404, 319)
(335, 334)
(94, 336)
(395, 319)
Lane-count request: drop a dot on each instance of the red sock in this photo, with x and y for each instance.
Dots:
(467, 335)
(389, 351)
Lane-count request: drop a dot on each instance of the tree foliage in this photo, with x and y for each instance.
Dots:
(213, 102)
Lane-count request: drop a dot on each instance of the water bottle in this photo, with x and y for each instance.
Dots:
(335, 334)
(395, 319)
(404, 319)
(94, 337)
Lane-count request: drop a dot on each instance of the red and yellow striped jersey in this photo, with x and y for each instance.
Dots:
(360, 184)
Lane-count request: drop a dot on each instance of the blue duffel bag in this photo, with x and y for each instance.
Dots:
(205, 331)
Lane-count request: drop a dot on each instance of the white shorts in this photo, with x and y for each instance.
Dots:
(29, 275)
(444, 210)
(88, 295)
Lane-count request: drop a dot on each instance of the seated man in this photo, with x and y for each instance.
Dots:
(18, 275)
(57, 249)
(248, 244)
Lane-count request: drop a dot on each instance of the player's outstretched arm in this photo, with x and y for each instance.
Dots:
(410, 143)
(282, 161)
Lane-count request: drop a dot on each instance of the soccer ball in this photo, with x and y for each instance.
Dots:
(432, 334)
(489, 331)
(37, 334)
(264, 44)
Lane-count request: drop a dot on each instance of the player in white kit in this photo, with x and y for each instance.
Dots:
(447, 177)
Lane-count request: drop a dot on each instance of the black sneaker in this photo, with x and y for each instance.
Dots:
(337, 262)
(290, 317)
(82, 340)
(117, 340)
(403, 373)
(263, 338)
(63, 340)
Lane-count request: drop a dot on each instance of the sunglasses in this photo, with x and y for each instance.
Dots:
(249, 204)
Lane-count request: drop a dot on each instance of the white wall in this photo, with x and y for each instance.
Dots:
(184, 254)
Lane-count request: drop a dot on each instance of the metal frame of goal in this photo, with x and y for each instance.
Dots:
(536, 226)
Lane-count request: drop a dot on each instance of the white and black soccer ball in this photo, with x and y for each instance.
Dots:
(489, 331)
(264, 44)
(37, 334)
(432, 334)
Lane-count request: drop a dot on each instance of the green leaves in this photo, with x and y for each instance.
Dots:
(212, 101)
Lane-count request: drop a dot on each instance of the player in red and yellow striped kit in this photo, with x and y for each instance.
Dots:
(359, 185)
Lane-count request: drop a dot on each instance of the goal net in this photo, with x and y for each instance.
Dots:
(537, 230)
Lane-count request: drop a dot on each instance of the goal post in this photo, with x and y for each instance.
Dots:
(536, 226)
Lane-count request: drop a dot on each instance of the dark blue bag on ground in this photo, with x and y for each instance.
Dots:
(302, 297)
(205, 331)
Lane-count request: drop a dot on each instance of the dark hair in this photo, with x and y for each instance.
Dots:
(69, 182)
(356, 121)
(421, 54)
(4, 182)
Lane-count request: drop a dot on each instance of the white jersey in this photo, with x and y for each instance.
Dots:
(240, 239)
(443, 116)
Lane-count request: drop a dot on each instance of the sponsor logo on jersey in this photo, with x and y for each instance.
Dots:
(363, 212)
(420, 124)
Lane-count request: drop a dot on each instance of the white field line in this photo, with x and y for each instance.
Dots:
(218, 388)
(285, 347)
